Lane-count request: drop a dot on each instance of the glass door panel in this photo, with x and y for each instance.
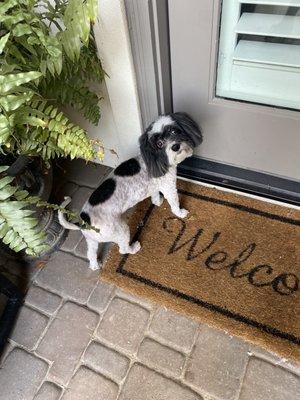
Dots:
(259, 52)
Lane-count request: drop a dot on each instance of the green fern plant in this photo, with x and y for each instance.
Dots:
(48, 59)
(18, 227)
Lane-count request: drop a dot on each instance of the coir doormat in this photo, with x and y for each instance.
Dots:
(233, 263)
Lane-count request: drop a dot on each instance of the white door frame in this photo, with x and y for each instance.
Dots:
(149, 34)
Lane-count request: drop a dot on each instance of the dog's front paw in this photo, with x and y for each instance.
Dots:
(181, 213)
(135, 247)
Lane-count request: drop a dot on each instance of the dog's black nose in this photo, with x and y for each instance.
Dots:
(175, 147)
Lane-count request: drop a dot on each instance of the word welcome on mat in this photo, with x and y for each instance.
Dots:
(234, 263)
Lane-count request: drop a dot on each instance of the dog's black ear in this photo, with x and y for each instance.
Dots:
(189, 126)
(155, 158)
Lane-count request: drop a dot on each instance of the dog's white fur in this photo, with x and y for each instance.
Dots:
(160, 123)
(129, 190)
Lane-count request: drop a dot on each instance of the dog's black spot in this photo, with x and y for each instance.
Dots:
(103, 192)
(128, 168)
(85, 217)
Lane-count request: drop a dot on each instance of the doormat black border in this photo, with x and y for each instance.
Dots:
(212, 307)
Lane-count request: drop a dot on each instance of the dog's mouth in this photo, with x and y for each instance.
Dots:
(185, 153)
(189, 152)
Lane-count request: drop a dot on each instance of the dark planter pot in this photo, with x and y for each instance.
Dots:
(37, 180)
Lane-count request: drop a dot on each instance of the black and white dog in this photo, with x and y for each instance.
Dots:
(166, 143)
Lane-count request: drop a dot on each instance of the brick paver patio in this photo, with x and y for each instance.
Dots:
(77, 338)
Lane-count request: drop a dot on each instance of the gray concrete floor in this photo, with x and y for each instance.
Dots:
(77, 338)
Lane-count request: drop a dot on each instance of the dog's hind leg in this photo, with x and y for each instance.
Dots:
(122, 238)
(92, 253)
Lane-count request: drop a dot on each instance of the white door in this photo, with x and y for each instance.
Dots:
(236, 70)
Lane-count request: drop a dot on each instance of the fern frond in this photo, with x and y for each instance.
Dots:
(71, 87)
(52, 134)
(18, 227)
(3, 42)
(87, 102)
(7, 5)
(29, 41)
(5, 129)
(11, 82)
(78, 16)
(74, 92)
(11, 102)
(74, 216)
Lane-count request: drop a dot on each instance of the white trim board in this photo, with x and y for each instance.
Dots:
(113, 43)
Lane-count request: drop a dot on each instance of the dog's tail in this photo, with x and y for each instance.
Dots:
(66, 224)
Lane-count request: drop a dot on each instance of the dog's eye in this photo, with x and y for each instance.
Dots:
(175, 147)
(159, 143)
(171, 130)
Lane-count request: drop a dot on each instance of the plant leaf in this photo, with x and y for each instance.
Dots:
(6, 5)
(21, 30)
(3, 168)
(5, 129)
(12, 102)
(11, 81)
(3, 42)
(6, 181)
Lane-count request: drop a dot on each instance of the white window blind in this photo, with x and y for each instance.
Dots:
(259, 52)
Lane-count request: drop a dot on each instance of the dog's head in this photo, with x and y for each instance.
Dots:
(168, 141)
